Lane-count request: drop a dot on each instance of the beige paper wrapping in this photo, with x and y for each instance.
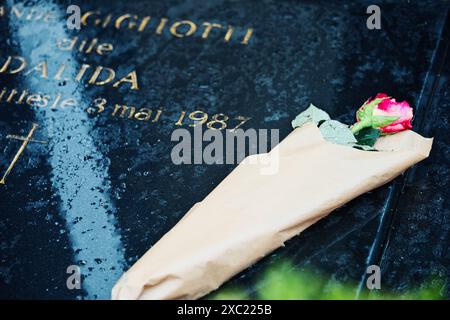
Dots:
(249, 214)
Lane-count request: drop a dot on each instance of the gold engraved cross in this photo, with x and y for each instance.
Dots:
(21, 149)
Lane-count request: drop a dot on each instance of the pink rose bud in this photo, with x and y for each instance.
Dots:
(385, 114)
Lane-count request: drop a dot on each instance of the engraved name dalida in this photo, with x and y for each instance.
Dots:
(93, 75)
(141, 24)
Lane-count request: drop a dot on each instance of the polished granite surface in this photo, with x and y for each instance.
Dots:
(102, 189)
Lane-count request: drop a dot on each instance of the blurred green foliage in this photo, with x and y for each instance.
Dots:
(284, 281)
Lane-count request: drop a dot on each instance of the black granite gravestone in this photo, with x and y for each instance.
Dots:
(94, 185)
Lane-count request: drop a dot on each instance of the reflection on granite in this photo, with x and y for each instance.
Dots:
(418, 247)
(104, 190)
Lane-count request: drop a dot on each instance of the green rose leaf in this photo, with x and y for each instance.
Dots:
(337, 132)
(367, 136)
(312, 114)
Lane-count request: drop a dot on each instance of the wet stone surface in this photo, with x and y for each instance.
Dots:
(103, 188)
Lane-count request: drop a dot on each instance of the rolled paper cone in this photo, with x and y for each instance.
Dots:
(249, 214)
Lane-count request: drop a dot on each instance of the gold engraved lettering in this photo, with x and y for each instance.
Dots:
(21, 149)
(99, 106)
(130, 112)
(16, 12)
(91, 45)
(131, 21)
(82, 44)
(176, 25)
(22, 97)
(36, 100)
(241, 123)
(198, 117)
(180, 119)
(55, 103)
(143, 23)
(158, 115)
(247, 36)
(34, 14)
(83, 69)
(70, 102)
(70, 44)
(11, 95)
(106, 21)
(229, 33)
(144, 114)
(98, 70)
(2, 93)
(124, 109)
(124, 17)
(60, 71)
(5, 66)
(103, 48)
(40, 67)
(209, 27)
(99, 76)
(86, 15)
(219, 119)
(130, 78)
(161, 26)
